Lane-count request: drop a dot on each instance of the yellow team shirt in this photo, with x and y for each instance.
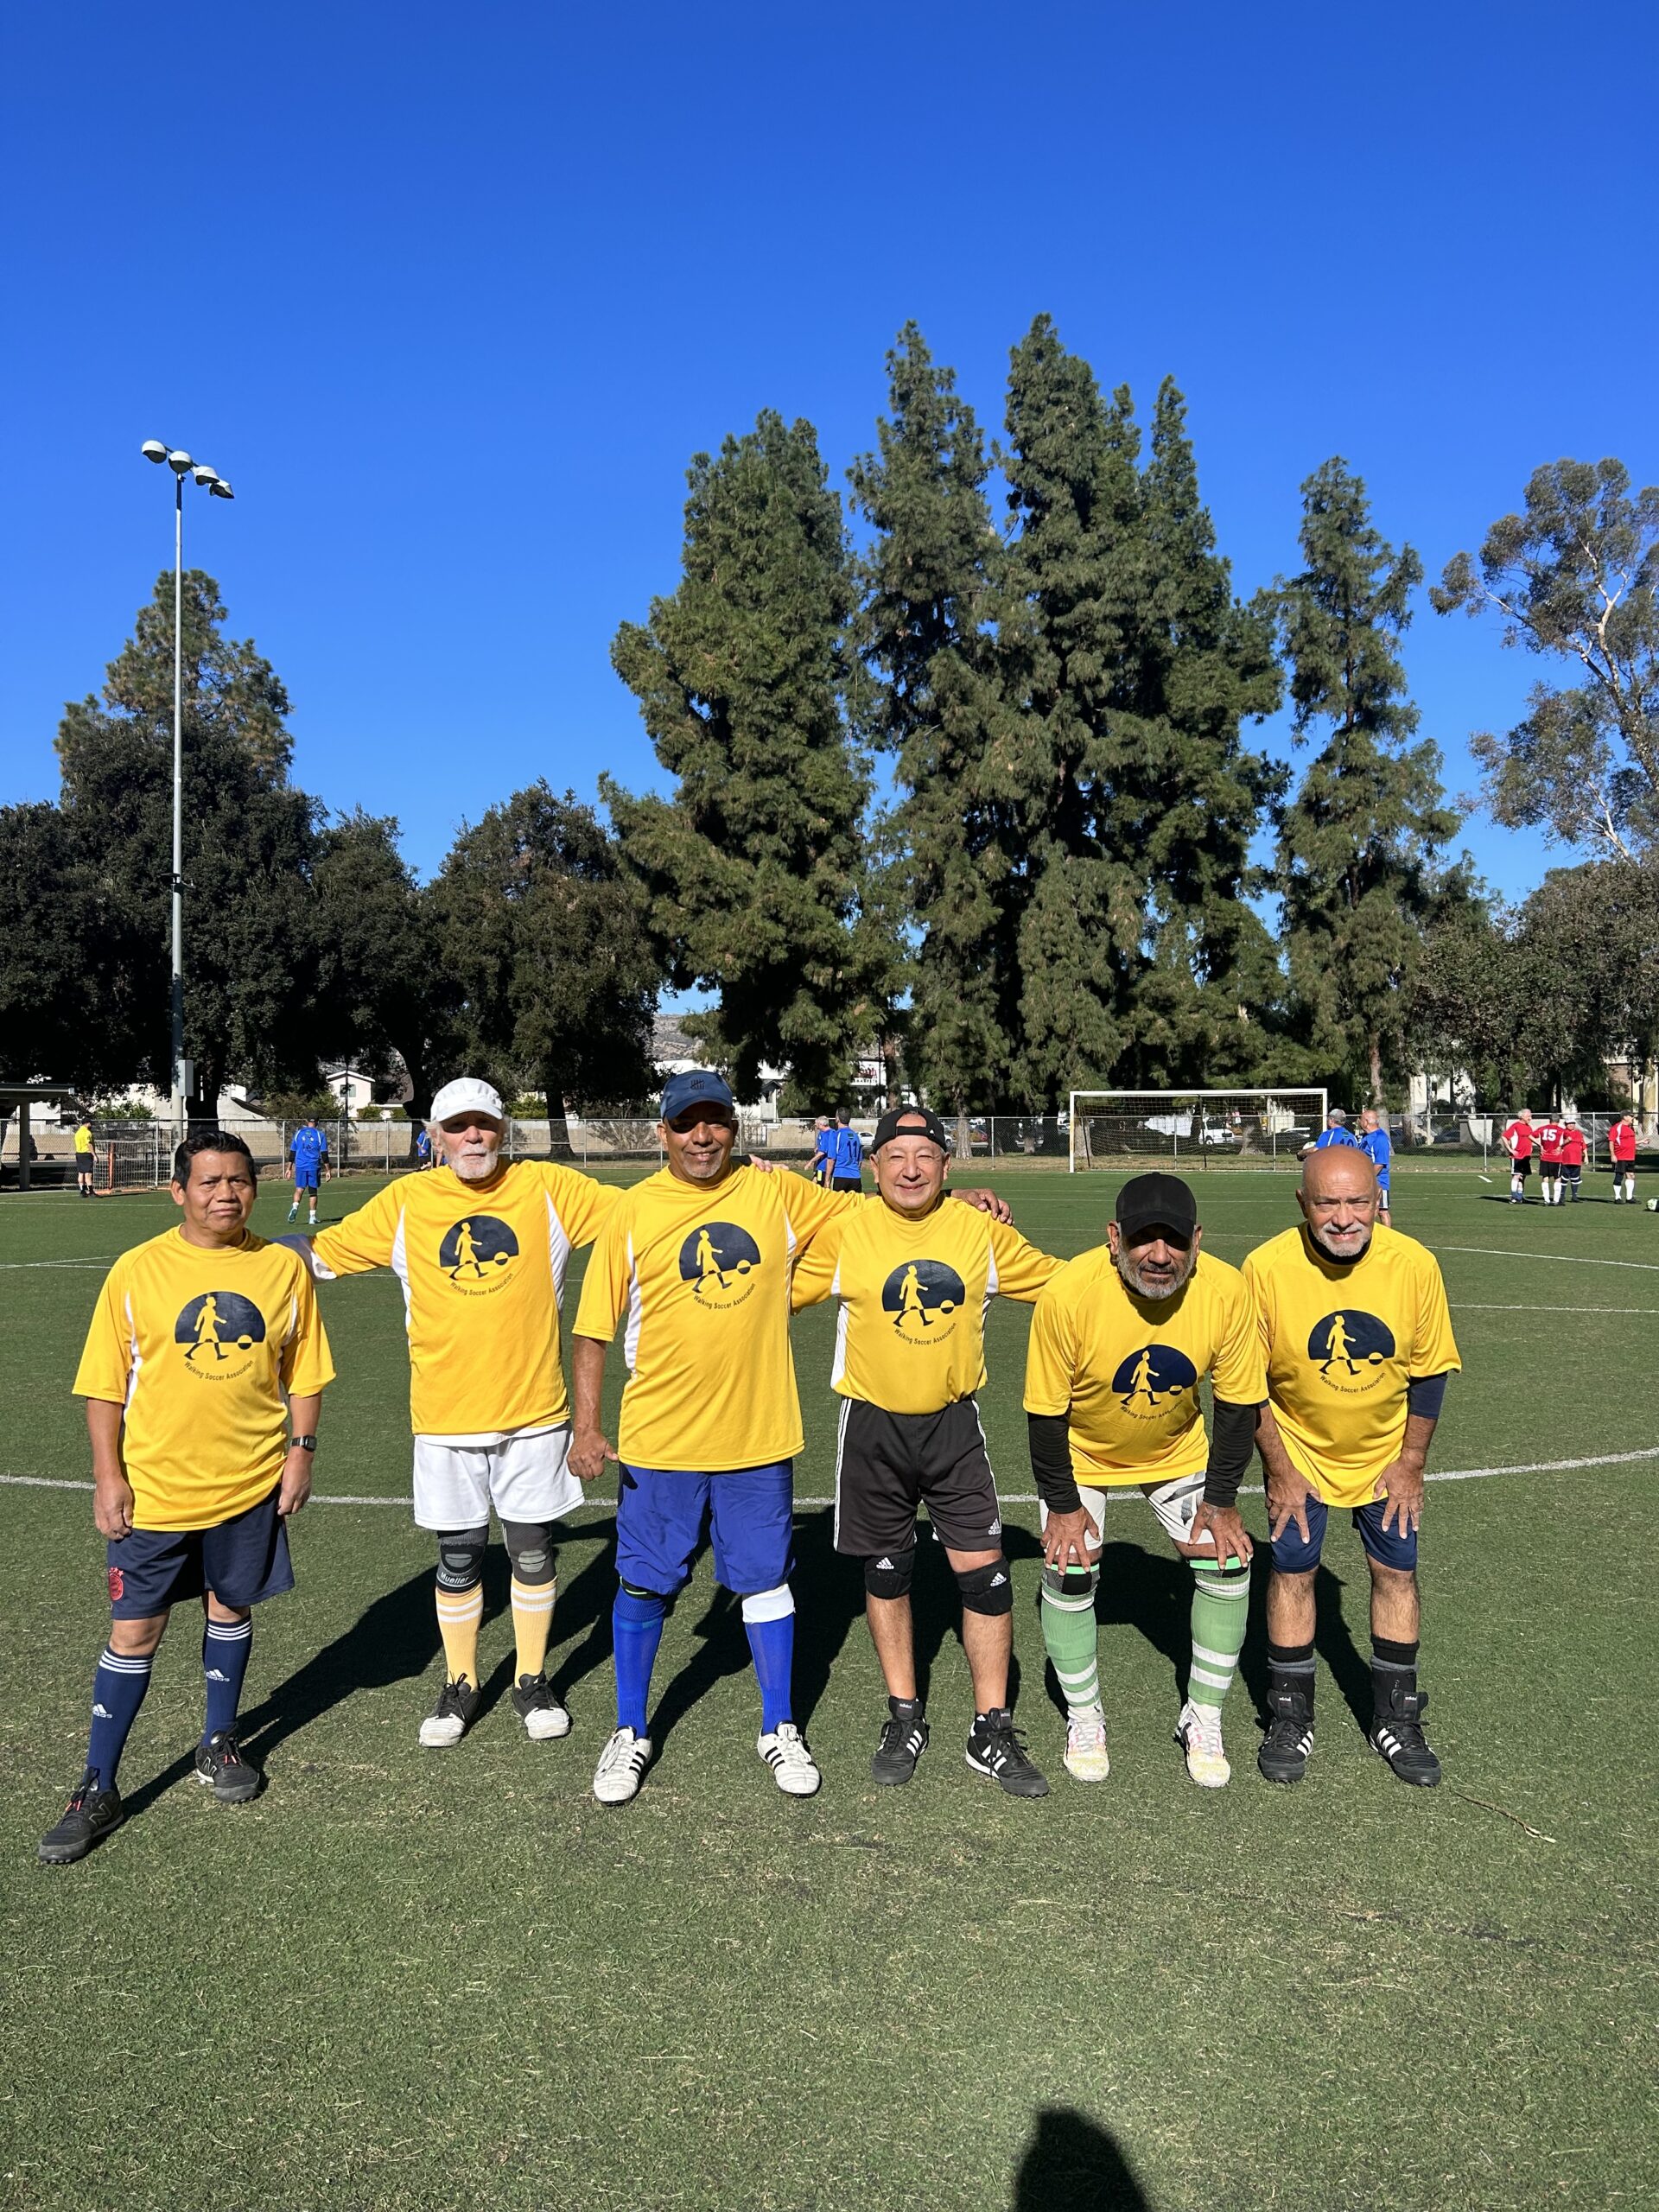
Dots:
(1341, 1343)
(1126, 1370)
(910, 1335)
(199, 1346)
(482, 1266)
(703, 1277)
(83, 1137)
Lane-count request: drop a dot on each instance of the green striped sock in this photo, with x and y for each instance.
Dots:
(1069, 1632)
(1221, 1607)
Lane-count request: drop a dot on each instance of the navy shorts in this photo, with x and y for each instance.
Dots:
(242, 1561)
(661, 1512)
(1385, 1546)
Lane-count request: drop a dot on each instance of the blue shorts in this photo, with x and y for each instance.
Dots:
(306, 1179)
(660, 1513)
(1385, 1546)
(1382, 1181)
(242, 1561)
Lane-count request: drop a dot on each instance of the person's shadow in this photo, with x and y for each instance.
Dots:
(1072, 2165)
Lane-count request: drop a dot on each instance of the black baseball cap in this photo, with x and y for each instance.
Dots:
(1157, 1201)
(695, 1087)
(924, 1123)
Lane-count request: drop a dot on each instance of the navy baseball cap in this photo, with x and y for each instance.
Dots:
(1157, 1201)
(695, 1087)
(922, 1124)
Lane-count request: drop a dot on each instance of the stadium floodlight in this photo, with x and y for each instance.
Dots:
(210, 480)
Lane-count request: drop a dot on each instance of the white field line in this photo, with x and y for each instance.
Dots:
(1589, 1312)
(1558, 1259)
(1127, 1494)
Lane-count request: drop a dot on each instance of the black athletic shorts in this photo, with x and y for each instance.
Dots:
(848, 1183)
(1523, 1167)
(1549, 1167)
(887, 1465)
(1573, 1169)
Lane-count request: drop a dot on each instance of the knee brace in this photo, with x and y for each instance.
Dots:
(633, 1590)
(769, 1605)
(986, 1589)
(460, 1558)
(889, 1575)
(530, 1547)
(1073, 1591)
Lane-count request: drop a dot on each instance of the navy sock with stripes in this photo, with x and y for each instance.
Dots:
(118, 1689)
(225, 1648)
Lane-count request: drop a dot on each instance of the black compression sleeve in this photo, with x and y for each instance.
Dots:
(1425, 1395)
(1051, 1463)
(1231, 1445)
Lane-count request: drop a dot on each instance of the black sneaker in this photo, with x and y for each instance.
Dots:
(540, 1711)
(904, 1739)
(1396, 1732)
(91, 1815)
(220, 1761)
(1283, 1755)
(451, 1717)
(994, 1748)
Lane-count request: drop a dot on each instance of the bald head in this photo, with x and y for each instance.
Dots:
(1337, 1197)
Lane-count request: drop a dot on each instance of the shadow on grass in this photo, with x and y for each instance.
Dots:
(1072, 2165)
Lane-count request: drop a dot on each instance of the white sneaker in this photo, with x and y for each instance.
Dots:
(785, 1752)
(1085, 1749)
(621, 1764)
(1198, 1733)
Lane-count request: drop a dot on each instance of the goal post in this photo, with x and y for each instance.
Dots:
(1192, 1128)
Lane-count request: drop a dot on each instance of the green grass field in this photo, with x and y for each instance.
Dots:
(410, 1980)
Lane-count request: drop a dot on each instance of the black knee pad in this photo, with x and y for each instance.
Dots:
(460, 1558)
(889, 1575)
(530, 1547)
(986, 1589)
(633, 1590)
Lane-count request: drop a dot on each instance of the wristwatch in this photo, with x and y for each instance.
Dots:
(305, 1443)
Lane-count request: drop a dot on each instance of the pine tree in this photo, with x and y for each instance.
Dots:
(935, 708)
(1359, 866)
(753, 869)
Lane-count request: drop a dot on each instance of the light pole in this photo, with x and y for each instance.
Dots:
(181, 465)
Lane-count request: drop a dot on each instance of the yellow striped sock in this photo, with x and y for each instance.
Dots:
(460, 1612)
(532, 1622)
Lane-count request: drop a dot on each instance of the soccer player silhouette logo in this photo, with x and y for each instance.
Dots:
(1150, 1381)
(718, 1260)
(922, 1296)
(477, 1250)
(1350, 1347)
(217, 1325)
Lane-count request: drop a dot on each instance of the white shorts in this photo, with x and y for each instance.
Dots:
(524, 1476)
(1175, 1503)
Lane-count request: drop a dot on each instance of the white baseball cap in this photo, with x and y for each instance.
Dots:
(466, 1095)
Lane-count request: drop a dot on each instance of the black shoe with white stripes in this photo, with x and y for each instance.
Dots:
(1396, 1732)
(904, 1739)
(994, 1748)
(1283, 1755)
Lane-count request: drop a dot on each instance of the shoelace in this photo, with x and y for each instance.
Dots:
(897, 1736)
(619, 1753)
(1007, 1743)
(791, 1748)
(225, 1751)
(1206, 1725)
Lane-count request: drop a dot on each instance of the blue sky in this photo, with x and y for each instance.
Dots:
(451, 296)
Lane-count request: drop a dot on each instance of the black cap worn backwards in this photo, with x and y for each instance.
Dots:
(918, 1122)
(1157, 1201)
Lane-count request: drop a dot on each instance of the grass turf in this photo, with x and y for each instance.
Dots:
(405, 1979)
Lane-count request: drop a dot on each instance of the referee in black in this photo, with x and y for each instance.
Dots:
(913, 1271)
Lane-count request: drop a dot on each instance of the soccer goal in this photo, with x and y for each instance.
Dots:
(1192, 1128)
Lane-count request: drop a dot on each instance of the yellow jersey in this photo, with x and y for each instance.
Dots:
(701, 1274)
(482, 1266)
(1341, 1343)
(910, 1334)
(1125, 1371)
(83, 1137)
(199, 1346)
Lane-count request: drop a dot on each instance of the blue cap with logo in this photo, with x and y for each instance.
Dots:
(695, 1087)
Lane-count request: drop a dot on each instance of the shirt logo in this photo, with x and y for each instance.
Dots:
(221, 1329)
(1150, 1381)
(1349, 1349)
(922, 1297)
(477, 1254)
(719, 1261)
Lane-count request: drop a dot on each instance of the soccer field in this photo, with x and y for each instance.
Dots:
(419, 1979)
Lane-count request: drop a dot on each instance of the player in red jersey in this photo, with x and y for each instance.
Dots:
(1549, 1134)
(1517, 1142)
(1621, 1146)
(1571, 1148)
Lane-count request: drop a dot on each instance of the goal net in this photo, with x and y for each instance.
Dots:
(1192, 1128)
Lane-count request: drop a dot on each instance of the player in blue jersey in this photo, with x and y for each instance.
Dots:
(823, 1152)
(308, 1149)
(847, 1159)
(1336, 1131)
(1378, 1148)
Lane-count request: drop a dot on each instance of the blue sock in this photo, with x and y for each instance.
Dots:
(637, 1621)
(225, 1646)
(118, 1689)
(773, 1645)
